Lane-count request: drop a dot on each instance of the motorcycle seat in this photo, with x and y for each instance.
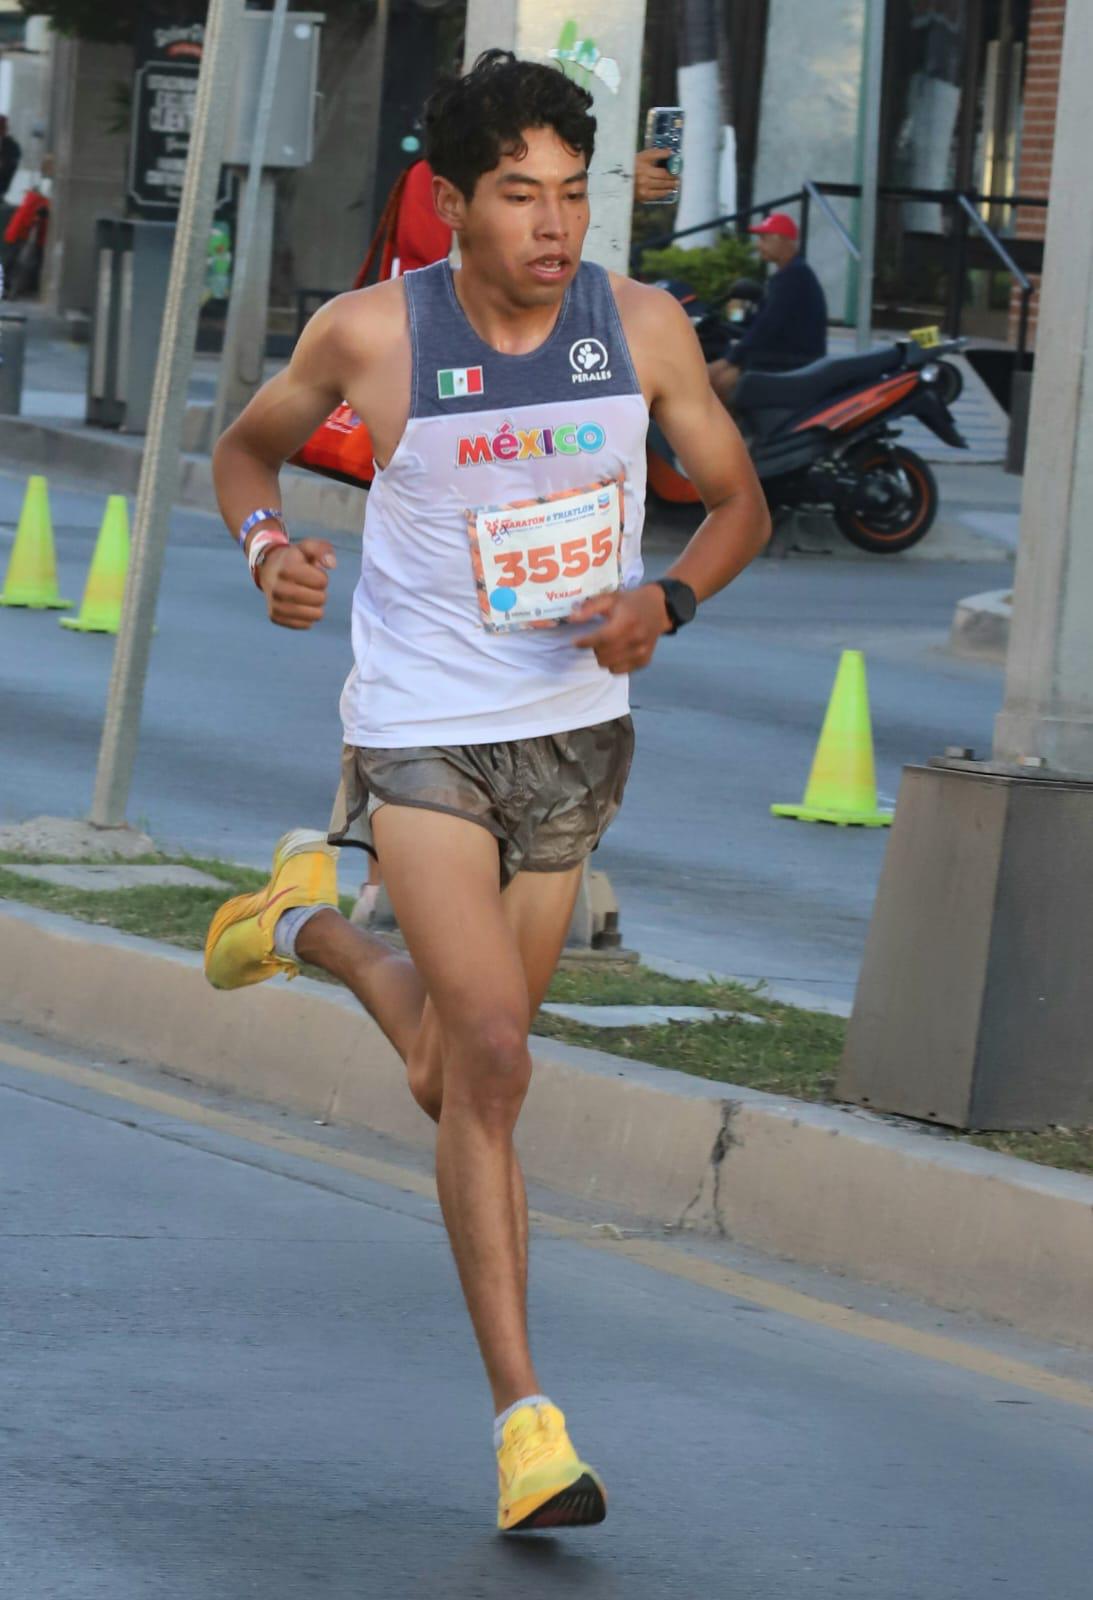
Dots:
(793, 391)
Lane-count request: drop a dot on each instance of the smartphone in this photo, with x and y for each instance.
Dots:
(664, 128)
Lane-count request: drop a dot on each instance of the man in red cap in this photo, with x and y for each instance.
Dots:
(790, 329)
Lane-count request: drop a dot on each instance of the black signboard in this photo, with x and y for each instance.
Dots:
(168, 60)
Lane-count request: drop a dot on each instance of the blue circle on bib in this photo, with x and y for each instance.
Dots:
(503, 599)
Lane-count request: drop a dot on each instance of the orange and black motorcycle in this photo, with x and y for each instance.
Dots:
(824, 438)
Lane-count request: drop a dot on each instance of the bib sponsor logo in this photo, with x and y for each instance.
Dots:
(530, 444)
(590, 361)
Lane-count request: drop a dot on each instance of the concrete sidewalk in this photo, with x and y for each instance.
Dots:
(822, 1185)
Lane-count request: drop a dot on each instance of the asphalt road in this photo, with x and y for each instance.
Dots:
(232, 1369)
(241, 736)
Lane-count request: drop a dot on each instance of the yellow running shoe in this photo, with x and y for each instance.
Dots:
(239, 946)
(543, 1483)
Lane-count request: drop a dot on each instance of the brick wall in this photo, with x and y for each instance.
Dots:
(1042, 68)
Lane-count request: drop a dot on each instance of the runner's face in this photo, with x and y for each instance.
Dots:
(525, 224)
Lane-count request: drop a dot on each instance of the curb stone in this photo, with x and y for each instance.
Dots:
(981, 626)
(966, 1228)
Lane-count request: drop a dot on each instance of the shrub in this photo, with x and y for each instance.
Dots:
(709, 270)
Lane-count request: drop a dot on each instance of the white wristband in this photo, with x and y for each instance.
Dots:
(261, 544)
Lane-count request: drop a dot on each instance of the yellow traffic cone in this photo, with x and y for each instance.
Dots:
(842, 786)
(100, 609)
(32, 571)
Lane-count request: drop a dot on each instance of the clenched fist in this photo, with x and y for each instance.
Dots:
(634, 620)
(293, 578)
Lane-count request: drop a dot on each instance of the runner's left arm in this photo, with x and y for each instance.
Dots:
(708, 443)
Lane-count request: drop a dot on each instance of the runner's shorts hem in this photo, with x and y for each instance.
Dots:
(548, 801)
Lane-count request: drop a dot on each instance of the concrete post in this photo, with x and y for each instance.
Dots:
(809, 120)
(89, 150)
(243, 357)
(1048, 708)
(603, 54)
(972, 1007)
(162, 462)
(699, 89)
(872, 91)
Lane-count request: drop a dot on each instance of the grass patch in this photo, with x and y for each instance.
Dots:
(796, 1053)
(176, 915)
(1069, 1148)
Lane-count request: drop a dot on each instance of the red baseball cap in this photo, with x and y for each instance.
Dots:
(778, 223)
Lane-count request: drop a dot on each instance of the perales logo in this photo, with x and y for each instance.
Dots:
(590, 361)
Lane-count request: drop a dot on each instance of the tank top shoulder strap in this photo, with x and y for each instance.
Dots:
(427, 310)
(593, 305)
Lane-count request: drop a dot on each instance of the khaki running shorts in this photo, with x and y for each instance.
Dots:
(547, 801)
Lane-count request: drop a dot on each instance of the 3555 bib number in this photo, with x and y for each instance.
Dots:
(535, 560)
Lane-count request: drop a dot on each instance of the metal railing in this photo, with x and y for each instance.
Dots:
(813, 193)
(964, 204)
(1021, 278)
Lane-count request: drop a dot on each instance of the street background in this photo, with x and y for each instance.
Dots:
(241, 736)
(235, 1357)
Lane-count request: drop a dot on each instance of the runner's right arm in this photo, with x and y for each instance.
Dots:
(250, 453)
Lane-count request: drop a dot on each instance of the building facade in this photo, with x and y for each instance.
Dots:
(968, 105)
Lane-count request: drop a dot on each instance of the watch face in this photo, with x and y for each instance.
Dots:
(682, 602)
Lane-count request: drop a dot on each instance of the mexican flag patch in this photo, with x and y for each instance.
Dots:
(456, 381)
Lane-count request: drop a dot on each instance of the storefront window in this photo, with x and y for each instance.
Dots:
(952, 101)
(927, 49)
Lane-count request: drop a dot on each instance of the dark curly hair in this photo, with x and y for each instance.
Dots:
(474, 120)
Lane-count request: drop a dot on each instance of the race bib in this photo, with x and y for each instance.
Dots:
(535, 560)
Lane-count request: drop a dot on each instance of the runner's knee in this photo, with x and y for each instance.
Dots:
(488, 1065)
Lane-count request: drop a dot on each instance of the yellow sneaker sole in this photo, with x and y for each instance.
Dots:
(580, 1504)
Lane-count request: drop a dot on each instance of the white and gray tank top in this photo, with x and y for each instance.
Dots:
(517, 487)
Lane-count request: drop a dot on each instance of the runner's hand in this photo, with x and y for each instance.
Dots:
(652, 180)
(294, 578)
(634, 620)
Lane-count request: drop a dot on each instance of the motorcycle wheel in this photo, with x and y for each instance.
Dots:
(887, 531)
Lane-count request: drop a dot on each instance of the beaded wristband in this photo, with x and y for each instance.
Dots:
(254, 519)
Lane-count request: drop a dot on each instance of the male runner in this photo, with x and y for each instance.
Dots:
(487, 740)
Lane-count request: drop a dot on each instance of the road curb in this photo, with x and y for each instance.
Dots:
(107, 460)
(842, 1189)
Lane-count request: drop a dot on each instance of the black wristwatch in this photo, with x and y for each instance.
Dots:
(680, 600)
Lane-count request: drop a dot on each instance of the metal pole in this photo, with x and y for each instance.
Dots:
(1022, 329)
(872, 89)
(959, 272)
(161, 464)
(234, 387)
